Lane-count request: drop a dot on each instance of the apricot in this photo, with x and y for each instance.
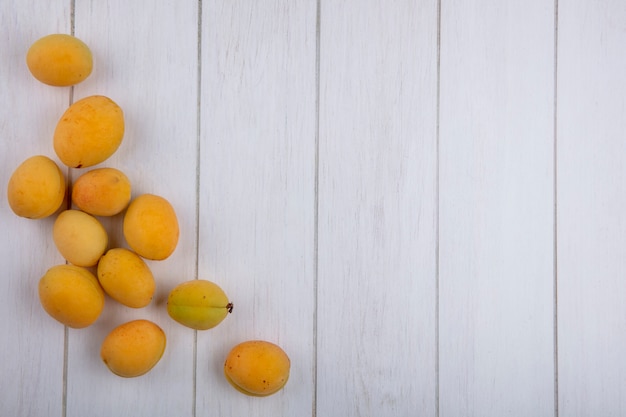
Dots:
(71, 295)
(198, 304)
(36, 188)
(102, 192)
(257, 368)
(133, 348)
(126, 278)
(89, 132)
(59, 60)
(151, 227)
(80, 238)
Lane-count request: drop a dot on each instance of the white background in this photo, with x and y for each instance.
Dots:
(422, 201)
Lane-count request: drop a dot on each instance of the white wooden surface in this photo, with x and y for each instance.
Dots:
(422, 201)
(496, 214)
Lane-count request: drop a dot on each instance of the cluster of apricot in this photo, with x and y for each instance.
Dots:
(87, 134)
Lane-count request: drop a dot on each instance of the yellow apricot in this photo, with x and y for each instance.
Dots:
(151, 227)
(126, 278)
(133, 348)
(198, 304)
(71, 295)
(36, 188)
(89, 132)
(59, 60)
(257, 368)
(80, 238)
(102, 192)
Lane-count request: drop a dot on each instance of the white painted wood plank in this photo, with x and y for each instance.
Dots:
(377, 209)
(146, 61)
(591, 207)
(257, 184)
(496, 209)
(31, 346)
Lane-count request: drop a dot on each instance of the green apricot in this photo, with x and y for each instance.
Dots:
(198, 304)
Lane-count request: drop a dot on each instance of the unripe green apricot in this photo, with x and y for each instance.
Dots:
(198, 304)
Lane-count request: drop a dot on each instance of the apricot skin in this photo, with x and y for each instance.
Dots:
(59, 60)
(102, 192)
(89, 132)
(126, 278)
(80, 238)
(151, 227)
(71, 295)
(198, 304)
(36, 188)
(133, 348)
(257, 368)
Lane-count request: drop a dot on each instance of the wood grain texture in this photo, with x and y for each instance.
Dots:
(257, 184)
(496, 209)
(377, 209)
(373, 183)
(145, 57)
(32, 345)
(591, 207)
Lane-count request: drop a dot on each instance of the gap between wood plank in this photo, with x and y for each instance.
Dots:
(66, 336)
(437, 174)
(318, 29)
(194, 384)
(555, 213)
(437, 196)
